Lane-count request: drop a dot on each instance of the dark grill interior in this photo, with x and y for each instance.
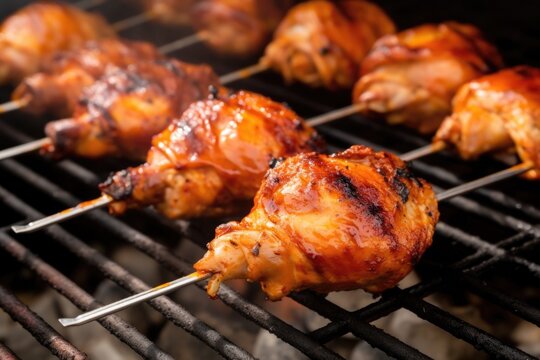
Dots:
(484, 241)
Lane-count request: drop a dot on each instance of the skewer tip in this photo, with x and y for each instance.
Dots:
(67, 322)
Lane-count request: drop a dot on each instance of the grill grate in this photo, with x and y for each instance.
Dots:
(498, 232)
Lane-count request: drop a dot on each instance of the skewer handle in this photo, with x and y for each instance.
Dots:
(134, 299)
(24, 148)
(486, 180)
(424, 151)
(243, 73)
(63, 215)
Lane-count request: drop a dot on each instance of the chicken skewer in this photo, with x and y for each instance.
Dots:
(322, 43)
(119, 114)
(356, 243)
(494, 113)
(209, 156)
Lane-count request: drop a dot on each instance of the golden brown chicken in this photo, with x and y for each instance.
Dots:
(56, 89)
(120, 113)
(212, 159)
(497, 112)
(356, 219)
(41, 29)
(322, 43)
(410, 78)
(170, 12)
(238, 27)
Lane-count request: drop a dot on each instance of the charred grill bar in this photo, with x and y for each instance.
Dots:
(481, 256)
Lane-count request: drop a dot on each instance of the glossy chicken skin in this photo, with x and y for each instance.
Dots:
(120, 113)
(322, 43)
(56, 89)
(410, 78)
(497, 112)
(212, 159)
(356, 219)
(41, 29)
(238, 28)
(170, 12)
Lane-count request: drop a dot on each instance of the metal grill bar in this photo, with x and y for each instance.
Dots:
(171, 310)
(6, 353)
(36, 326)
(178, 266)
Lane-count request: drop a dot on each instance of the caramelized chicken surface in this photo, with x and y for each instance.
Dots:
(238, 27)
(211, 160)
(410, 78)
(56, 89)
(170, 12)
(356, 219)
(497, 112)
(41, 29)
(322, 43)
(120, 113)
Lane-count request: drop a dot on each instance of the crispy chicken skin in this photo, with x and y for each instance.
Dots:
(170, 12)
(57, 88)
(410, 78)
(120, 113)
(356, 219)
(212, 159)
(41, 29)
(322, 43)
(239, 28)
(497, 112)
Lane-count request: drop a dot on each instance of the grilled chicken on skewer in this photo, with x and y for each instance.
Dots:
(41, 29)
(283, 249)
(210, 161)
(410, 78)
(497, 112)
(356, 219)
(56, 89)
(322, 43)
(119, 114)
(169, 12)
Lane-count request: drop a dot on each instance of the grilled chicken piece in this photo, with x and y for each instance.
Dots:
(238, 28)
(120, 113)
(56, 89)
(411, 77)
(170, 12)
(356, 219)
(212, 159)
(322, 43)
(497, 112)
(41, 29)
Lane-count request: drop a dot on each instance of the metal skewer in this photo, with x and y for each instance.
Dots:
(182, 43)
(243, 73)
(424, 151)
(24, 148)
(15, 104)
(134, 299)
(81, 208)
(133, 21)
(196, 276)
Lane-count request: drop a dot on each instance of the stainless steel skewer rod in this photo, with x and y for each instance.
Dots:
(99, 202)
(133, 21)
(181, 43)
(486, 180)
(335, 115)
(423, 151)
(134, 299)
(24, 148)
(243, 73)
(14, 104)
(195, 277)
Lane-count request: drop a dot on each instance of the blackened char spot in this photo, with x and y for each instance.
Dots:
(317, 143)
(172, 67)
(275, 161)
(118, 185)
(401, 189)
(325, 50)
(406, 173)
(136, 82)
(345, 185)
(213, 92)
(255, 249)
